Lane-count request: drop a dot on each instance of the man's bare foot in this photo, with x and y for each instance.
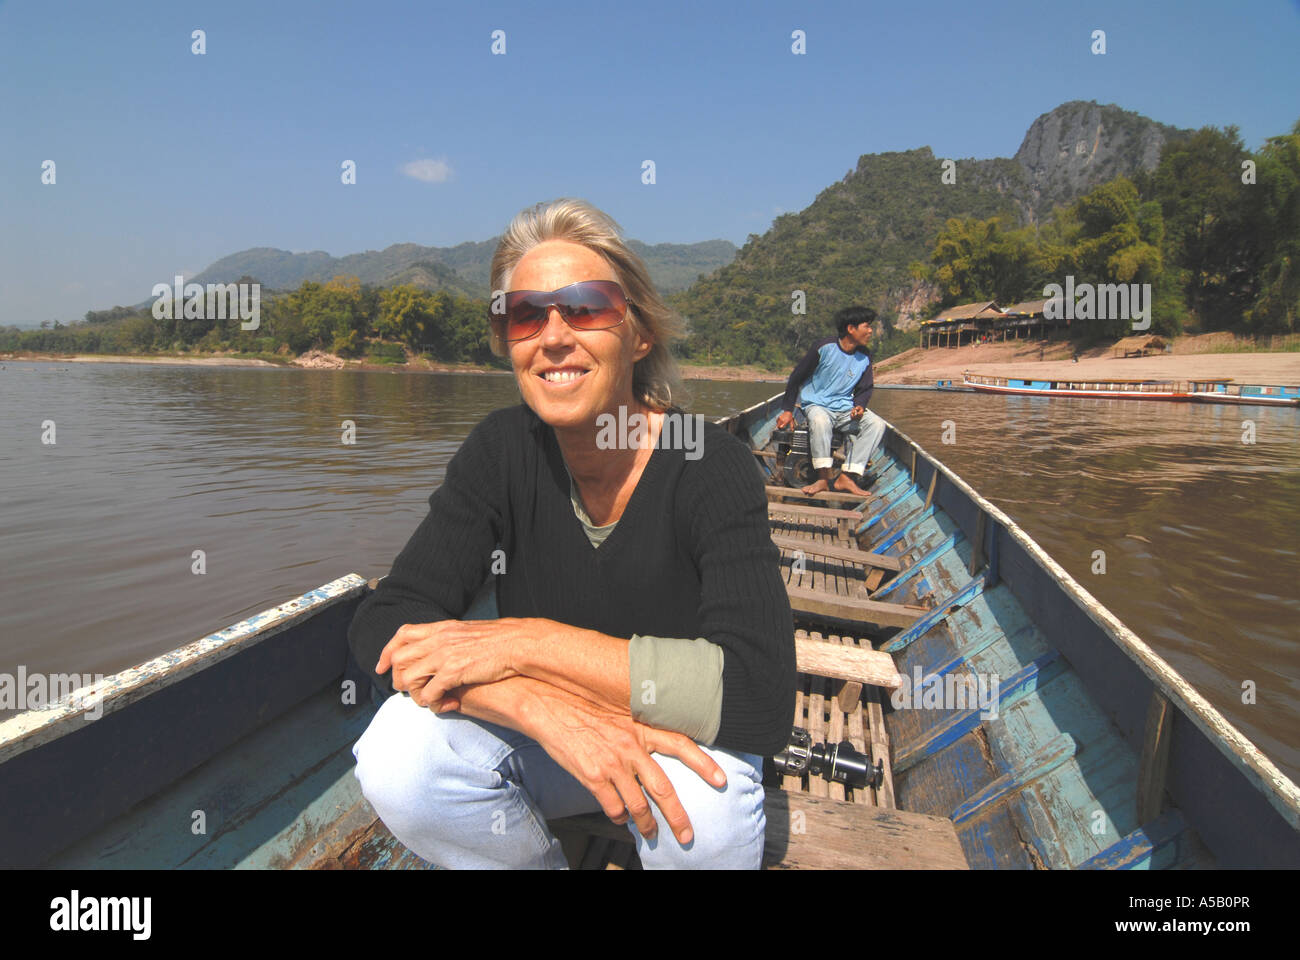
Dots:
(845, 484)
(817, 486)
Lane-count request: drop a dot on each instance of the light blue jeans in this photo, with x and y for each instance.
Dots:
(864, 434)
(469, 794)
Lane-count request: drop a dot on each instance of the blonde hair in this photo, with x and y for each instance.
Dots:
(656, 381)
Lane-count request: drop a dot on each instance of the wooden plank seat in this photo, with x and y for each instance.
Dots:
(815, 603)
(798, 513)
(861, 665)
(819, 513)
(826, 496)
(834, 552)
(820, 833)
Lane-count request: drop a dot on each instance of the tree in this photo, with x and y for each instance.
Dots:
(404, 314)
(1274, 212)
(979, 260)
(1108, 236)
(108, 316)
(136, 333)
(1207, 233)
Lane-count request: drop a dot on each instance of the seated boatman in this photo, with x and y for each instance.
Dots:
(834, 384)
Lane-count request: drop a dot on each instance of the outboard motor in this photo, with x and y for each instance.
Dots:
(793, 456)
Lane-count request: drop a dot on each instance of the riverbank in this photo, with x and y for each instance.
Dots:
(1191, 358)
(179, 360)
(320, 360)
(312, 360)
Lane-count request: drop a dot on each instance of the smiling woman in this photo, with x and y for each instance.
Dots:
(642, 611)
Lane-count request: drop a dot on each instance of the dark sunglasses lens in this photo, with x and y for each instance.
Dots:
(595, 305)
(525, 314)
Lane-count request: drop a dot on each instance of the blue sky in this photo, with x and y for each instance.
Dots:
(167, 161)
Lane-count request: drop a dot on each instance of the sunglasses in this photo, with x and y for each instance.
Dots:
(589, 305)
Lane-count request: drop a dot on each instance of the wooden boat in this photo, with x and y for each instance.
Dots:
(235, 750)
(1110, 388)
(1226, 391)
(1205, 391)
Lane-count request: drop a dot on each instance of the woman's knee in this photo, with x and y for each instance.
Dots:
(408, 766)
(727, 824)
(437, 782)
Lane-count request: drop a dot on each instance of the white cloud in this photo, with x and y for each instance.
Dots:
(430, 171)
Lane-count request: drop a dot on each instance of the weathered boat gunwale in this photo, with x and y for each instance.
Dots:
(32, 728)
(63, 775)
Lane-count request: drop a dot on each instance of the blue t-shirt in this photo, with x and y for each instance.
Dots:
(831, 378)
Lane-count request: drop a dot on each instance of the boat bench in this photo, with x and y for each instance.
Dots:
(784, 494)
(845, 521)
(809, 833)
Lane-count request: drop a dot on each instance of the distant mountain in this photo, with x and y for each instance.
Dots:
(854, 243)
(462, 269)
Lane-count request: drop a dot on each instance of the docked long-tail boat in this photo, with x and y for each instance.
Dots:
(962, 703)
(1111, 388)
(1206, 391)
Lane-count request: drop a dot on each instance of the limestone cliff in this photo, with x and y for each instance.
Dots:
(1080, 145)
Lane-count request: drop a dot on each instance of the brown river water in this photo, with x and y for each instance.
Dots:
(1201, 532)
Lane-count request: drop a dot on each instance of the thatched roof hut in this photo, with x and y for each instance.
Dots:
(1138, 346)
(987, 310)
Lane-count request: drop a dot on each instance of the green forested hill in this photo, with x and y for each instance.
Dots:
(853, 244)
(856, 240)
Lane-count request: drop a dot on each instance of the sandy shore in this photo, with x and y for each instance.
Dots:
(920, 366)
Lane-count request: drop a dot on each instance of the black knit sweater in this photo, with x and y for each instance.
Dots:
(691, 557)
